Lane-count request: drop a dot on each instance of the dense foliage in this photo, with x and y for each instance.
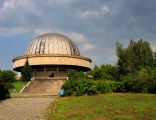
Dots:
(84, 85)
(135, 72)
(107, 72)
(137, 68)
(6, 78)
(89, 87)
(143, 81)
(136, 56)
(26, 71)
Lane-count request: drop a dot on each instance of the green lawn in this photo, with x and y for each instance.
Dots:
(115, 106)
(18, 86)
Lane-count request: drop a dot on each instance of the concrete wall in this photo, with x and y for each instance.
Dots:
(52, 60)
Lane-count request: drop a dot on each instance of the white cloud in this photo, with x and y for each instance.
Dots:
(19, 16)
(90, 13)
(11, 31)
(41, 31)
(19, 12)
(9, 4)
(105, 9)
(88, 47)
(77, 37)
(60, 1)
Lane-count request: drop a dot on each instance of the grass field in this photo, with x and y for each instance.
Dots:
(114, 106)
(18, 86)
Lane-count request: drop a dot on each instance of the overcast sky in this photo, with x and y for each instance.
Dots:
(94, 25)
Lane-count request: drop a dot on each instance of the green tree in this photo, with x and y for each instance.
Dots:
(152, 80)
(107, 72)
(7, 76)
(26, 71)
(75, 75)
(136, 56)
(123, 58)
(154, 56)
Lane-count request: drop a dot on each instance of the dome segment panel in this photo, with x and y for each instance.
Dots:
(52, 43)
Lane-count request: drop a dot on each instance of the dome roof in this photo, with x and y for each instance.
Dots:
(52, 43)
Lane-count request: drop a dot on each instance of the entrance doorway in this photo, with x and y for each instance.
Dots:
(51, 74)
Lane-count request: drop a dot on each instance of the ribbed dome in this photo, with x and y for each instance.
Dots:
(52, 43)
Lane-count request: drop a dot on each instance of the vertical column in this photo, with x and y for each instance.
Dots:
(45, 71)
(57, 71)
(34, 73)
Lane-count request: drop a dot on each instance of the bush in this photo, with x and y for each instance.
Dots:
(6, 79)
(90, 87)
(132, 83)
(105, 86)
(107, 72)
(7, 76)
(79, 87)
(152, 81)
(76, 75)
(120, 87)
(142, 82)
(4, 92)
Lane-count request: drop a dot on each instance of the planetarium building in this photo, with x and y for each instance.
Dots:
(51, 55)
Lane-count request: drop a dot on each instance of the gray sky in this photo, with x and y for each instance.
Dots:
(95, 25)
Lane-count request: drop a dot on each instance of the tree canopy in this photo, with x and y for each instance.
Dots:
(107, 72)
(137, 55)
(7, 76)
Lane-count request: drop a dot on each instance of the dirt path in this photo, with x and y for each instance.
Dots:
(24, 108)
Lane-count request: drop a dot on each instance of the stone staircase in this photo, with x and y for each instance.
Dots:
(44, 86)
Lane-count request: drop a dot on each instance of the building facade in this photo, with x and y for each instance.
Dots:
(51, 55)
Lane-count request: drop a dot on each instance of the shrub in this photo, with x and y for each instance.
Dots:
(120, 87)
(6, 79)
(90, 87)
(152, 81)
(4, 92)
(79, 87)
(69, 87)
(76, 75)
(107, 72)
(7, 76)
(142, 82)
(152, 86)
(106, 86)
(86, 87)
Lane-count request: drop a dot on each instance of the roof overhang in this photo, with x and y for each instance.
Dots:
(52, 59)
